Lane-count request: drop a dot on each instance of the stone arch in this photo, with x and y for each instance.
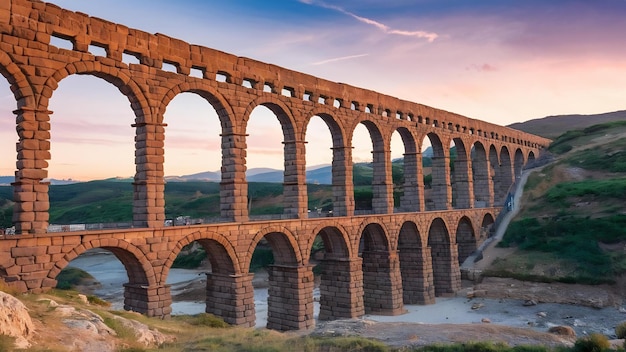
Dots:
(382, 283)
(461, 177)
(283, 244)
(336, 241)
(486, 226)
(293, 152)
(531, 158)
(373, 236)
(20, 86)
(117, 77)
(505, 175)
(141, 275)
(412, 185)
(465, 239)
(415, 266)
(446, 275)
(138, 268)
(481, 176)
(518, 163)
(230, 206)
(495, 178)
(440, 194)
(382, 197)
(207, 92)
(341, 295)
(339, 162)
(221, 252)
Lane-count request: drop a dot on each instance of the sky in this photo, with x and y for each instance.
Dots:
(501, 61)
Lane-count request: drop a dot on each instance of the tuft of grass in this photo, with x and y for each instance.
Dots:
(593, 343)
(122, 331)
(208, 320)
(98, 301)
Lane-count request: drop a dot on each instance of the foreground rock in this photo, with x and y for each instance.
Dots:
(15, 320)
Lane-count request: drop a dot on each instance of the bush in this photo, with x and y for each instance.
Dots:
(210, 320)
(620, 330)
(70, 277)
(593, 343)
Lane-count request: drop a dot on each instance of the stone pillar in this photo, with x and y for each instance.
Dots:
(231, 297)
(463, 183)
(234, 187)
(382, 183)
(294, 183)
(30, 193)
(341, 289)
(413, 198)
(153, 301)
(149, 184)
(343, 188)
(417, 275)
(382, 283)
(290, 301)
(441, 194)
(447, 275)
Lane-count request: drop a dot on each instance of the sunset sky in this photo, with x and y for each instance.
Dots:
(500, 61)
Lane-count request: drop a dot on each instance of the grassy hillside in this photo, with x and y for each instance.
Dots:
(553, 126)
(572, 226)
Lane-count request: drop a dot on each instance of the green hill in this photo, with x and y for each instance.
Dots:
(572, 225)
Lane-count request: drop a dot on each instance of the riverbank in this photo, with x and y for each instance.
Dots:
(479, 308)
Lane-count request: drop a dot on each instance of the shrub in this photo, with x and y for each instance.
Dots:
(593, 343)
(70, 277)
(210, 320)
(620, 330)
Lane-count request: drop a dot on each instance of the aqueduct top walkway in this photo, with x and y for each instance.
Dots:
(406, 251)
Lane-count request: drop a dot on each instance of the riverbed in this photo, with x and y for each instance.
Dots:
(111, 275)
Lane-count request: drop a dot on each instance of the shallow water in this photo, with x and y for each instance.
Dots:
(111, 274)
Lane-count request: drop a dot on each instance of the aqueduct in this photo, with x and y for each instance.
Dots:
(406, 252)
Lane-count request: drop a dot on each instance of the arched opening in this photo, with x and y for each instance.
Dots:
(202, 280)
(290, 286)
(505, 176)
(486, 227)
(415, 267)
(8, 139)
(437, 193)
(108, 273)
(518, 164)
(407, 192)
(465, 239)
(460, 175)
(192, 160)
(269, 144)
(496, 178)
(446, 275)
(531, 158)
(480, 175)
(362, 170)
(319, 167)
(382, 286)
(91, 140)
(330, 255)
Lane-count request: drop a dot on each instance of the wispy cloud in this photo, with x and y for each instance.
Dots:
(429, 36)
(482, 68)
(323, 62)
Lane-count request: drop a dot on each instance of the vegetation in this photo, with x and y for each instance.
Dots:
(70, 277)
(573, 212)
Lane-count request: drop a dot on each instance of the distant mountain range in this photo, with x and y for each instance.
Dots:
(321, 174)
